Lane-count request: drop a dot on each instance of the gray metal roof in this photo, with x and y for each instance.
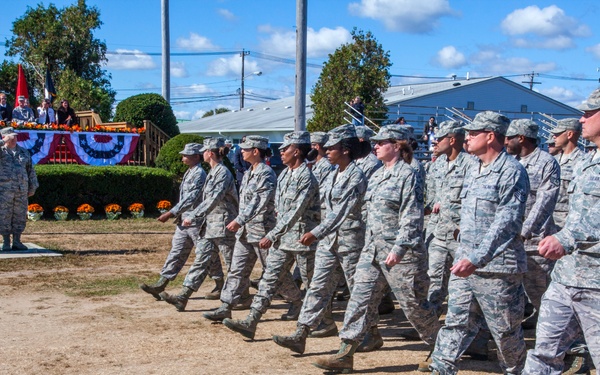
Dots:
(397, 94)
(274, 116)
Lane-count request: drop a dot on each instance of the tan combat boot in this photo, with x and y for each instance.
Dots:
(296, 342)
(342, 361)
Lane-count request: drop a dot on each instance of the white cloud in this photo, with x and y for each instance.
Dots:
(198, 114)
(130, 60)
(178, 69)
(450, 58)
(409, 16)
(595, 50)
(182, 114)
(226, 14)
(318, 44)
(195, 43)
(231, 66)
(563, 95)
(548, 28)
(491, 62)
(193, 89)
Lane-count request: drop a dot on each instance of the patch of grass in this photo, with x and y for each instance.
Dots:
(110, 286)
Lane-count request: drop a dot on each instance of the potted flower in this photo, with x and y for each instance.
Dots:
(34, 212)
(163, 206)
(136, 210)
(113, 211)
(61, 213)
(85, 211)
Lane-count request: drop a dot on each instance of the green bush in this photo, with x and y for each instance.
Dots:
(169, 158)
(153, 107)
(73, 185)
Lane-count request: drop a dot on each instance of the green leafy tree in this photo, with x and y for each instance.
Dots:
(360, 68)
(63, 41)
(83, 94)
(215, 111)
(153, 107)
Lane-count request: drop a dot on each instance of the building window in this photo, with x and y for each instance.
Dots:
(471, 105)
(523, 108)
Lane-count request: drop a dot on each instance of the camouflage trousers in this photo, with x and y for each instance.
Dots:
(492, 298)
(279, 264)
(184, 240)
(441, 254)
(537, 278)
(409, 282)
(13, 215)
(565, 312)
(324, 283)
(238, 279)
(207, 253)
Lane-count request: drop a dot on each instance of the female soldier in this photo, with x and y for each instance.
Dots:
(297, 207)
(341, 233)
(255, 219)
(219, 206)
(394, 251)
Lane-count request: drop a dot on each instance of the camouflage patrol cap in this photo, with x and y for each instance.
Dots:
(566, 124)
(410, 130)
(449, 127)
(191, 149)
(341, 132)
(524, 127)
(318, 137)
(364, 132)
(295, 138)
(212, 143)
(392, 132)
(255, 141)
(489, 121)
(592, 103)
(549, 141)
(8, 131)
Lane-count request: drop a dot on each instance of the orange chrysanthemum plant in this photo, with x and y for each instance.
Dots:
(136, 210)
(61, 213)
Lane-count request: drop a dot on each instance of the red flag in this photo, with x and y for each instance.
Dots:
(21, 87)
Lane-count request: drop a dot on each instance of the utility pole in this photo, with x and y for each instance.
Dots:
(166, 51)
(300, 100)
(531, 82)
(243, 54)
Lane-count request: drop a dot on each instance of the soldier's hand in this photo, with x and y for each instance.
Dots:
(307, 239)
(551, 249)
(392, 259)
(463, 268)
(233, 226)
(436, 208)
(164, 217)
(265, 243)
(186, 222)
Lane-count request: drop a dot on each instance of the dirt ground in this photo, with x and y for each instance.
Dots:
(83, 314)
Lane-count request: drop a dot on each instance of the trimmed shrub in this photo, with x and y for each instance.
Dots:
(153, 107)
(73, 185)
(169, 158)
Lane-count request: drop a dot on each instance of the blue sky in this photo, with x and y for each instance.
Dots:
(560, 40)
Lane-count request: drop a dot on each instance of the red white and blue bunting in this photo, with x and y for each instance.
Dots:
(85, 147)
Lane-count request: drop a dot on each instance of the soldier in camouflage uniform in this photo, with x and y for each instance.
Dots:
(544, 181)
(18, 181)
(341, 234)
(219, 206)
(566, 135)
(298, 210)
(486, 282)
(450, 170)
(571, 304)
(368, 164)
(255, 219)
(185, 237)
(393, 252)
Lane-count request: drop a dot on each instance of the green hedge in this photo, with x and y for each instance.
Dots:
(73, 185)
(153, 107)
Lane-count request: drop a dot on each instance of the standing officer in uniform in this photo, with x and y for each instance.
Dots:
(544, 182)
(394, 252)
(566, 135)
(18, 181)
(486, 283)
(298, 211)
(219, 206)
(451, 168)
(571, 304)
(185, 237)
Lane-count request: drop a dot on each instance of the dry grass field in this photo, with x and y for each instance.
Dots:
(84, 314)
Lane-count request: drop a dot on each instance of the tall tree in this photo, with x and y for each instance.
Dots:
(360, 68)
(215, 111)
(63, 40)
